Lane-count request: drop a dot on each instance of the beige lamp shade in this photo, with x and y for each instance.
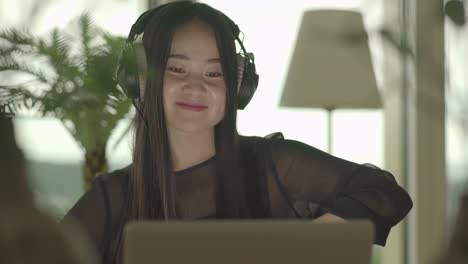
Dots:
(331, 65)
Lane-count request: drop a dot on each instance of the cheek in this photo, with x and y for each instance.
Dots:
(169, 90)
(221, 101)
(168, 98)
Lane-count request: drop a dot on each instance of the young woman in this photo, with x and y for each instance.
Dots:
(190, 163)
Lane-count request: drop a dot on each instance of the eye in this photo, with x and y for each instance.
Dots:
(175, 69)
(214, 74)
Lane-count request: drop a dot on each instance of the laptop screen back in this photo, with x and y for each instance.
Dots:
(236, 242)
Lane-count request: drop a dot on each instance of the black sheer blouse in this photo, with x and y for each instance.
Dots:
(308, 182)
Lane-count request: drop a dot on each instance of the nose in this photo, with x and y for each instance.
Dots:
(195, 85)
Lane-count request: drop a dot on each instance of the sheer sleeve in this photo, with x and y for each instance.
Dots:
(341, 187)
(90, 212)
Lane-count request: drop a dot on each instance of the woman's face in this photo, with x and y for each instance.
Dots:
(194, 91)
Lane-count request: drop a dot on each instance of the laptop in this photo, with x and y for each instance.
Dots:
(245, 242)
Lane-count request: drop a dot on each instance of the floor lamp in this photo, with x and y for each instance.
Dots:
(331, 66)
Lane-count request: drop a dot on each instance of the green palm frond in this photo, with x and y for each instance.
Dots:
(114, 43)
(16, 98)
(60, 45)
(18, 37)
(11, 65)
(16, 42)
(57, 55)
(87, 32)
(16, 50)
(81, 90)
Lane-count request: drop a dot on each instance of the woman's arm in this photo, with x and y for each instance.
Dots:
(341, 188)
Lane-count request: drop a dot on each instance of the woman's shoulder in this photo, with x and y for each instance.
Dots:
(279, 145)
(115, 176)
(251, 144)
(114, 183)
(260, 141)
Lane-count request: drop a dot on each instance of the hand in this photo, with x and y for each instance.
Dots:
(328, 217)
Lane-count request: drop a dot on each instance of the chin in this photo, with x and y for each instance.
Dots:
(193, 127)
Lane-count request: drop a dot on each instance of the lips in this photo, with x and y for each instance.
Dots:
(192, 106)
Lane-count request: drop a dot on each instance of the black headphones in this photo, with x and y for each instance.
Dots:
(127, 70)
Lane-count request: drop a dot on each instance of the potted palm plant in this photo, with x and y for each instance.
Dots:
(69, 77)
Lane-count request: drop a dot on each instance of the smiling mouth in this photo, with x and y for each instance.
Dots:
(192, 107)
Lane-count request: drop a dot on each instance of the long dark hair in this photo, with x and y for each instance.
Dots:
(151, 188)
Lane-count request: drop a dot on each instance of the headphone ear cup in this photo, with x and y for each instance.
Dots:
(240, 70)
(127, 73)
(248, 80)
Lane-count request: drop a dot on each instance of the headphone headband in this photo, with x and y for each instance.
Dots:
(139, 26)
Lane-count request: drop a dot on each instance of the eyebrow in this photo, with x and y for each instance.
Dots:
(183, 57)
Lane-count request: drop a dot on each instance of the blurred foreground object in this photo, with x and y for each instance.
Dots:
(457, 251)
(331, 66)
(69, 77)
(26, 234)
